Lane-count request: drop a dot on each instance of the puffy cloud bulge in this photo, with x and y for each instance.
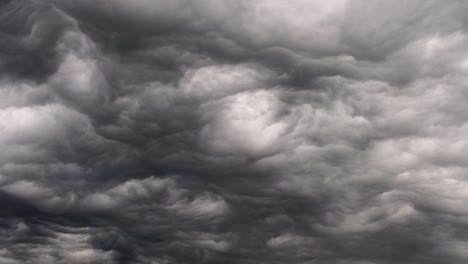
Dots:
(245, 131)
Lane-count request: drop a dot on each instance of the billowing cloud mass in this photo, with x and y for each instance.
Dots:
(248, 131)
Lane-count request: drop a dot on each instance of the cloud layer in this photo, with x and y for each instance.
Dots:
(245, 131)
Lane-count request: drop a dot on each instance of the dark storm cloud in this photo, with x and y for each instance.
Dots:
(233, 131)
(29, 31)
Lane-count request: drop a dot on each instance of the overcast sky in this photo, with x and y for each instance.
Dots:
(236, 132)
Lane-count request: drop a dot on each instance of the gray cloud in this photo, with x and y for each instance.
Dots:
(233, 132)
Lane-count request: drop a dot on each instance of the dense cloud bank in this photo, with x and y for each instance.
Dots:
(249, 131)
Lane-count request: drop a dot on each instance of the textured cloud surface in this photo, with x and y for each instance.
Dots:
(249, 131)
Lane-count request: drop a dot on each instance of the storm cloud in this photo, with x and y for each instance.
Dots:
(213, 131)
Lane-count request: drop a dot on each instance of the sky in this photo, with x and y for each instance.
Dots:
(236, 132)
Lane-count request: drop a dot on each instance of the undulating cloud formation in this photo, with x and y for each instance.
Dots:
(243, 132)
